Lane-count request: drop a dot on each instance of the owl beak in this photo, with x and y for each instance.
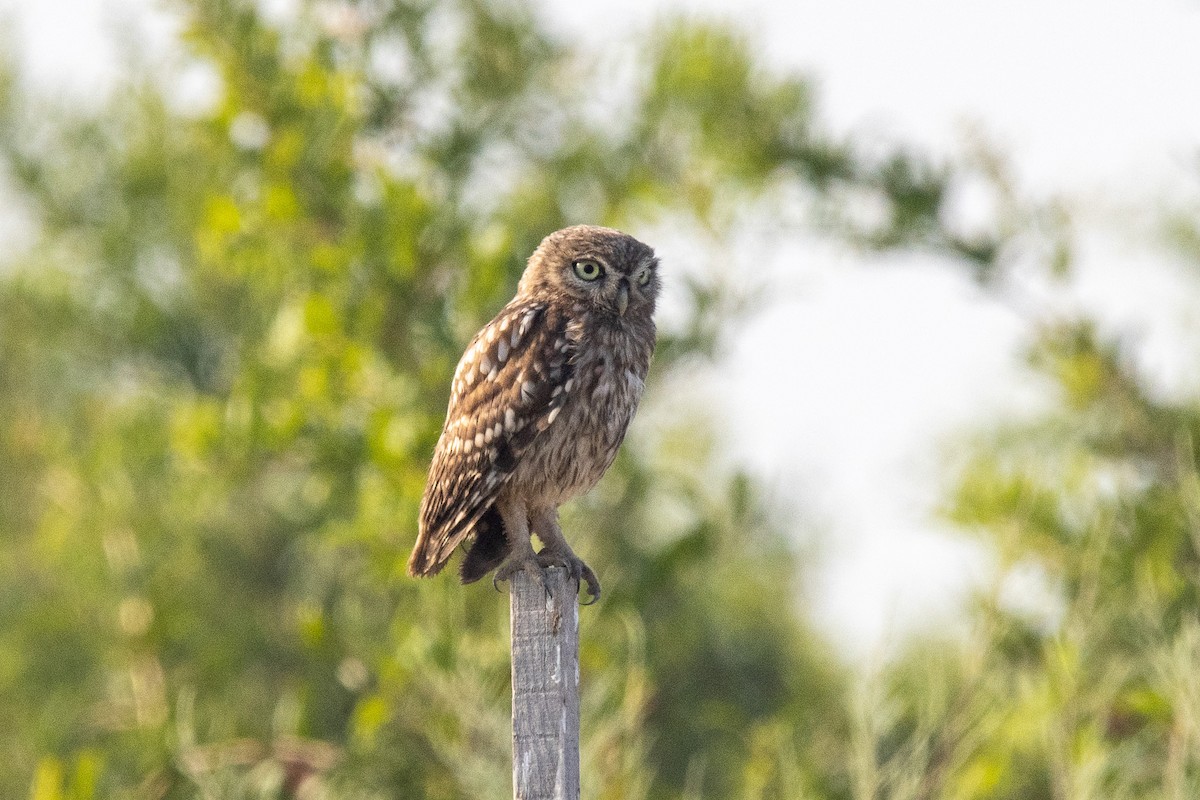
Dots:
(622, 297)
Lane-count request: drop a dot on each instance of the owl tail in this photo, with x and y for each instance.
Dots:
(430, 553)
(489, 549)
(422, 562)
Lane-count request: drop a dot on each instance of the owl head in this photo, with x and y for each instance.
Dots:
(611, 271)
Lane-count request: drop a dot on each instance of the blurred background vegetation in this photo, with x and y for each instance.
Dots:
(224, 358)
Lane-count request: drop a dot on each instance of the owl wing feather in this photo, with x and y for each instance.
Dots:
(509, 386)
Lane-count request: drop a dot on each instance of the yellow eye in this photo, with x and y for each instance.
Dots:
(643, 277)
(588, 270)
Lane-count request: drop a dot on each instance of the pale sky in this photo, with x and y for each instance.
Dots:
(891, 359)
(886, 360)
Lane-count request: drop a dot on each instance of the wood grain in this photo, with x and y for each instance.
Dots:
(545, 683)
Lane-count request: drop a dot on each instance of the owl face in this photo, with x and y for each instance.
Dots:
(609, 270)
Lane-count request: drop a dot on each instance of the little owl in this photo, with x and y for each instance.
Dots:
(538, 407)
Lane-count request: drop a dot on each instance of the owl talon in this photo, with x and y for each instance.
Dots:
(593, 583)
(578, 571)
(524, 563)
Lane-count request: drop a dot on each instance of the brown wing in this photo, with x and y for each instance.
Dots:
(509, 387)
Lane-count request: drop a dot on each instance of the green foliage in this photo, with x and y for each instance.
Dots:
(225, 364)
(1079, 680)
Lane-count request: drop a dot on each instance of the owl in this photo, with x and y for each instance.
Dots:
(539, 405)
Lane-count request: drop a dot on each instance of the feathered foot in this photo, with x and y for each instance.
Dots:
(558, 553)
(521, 560)
(575, 566)
(555, 553)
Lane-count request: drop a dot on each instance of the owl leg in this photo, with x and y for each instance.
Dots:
(521, 557)
(557, 552)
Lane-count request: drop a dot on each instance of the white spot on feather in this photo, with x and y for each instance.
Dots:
(527, 320)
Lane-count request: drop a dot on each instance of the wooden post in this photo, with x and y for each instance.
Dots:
(545, 686)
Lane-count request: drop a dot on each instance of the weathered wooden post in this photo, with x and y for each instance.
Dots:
(545, 687)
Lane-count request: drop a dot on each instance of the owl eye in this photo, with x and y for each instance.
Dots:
(587, 269)
(643, 277)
